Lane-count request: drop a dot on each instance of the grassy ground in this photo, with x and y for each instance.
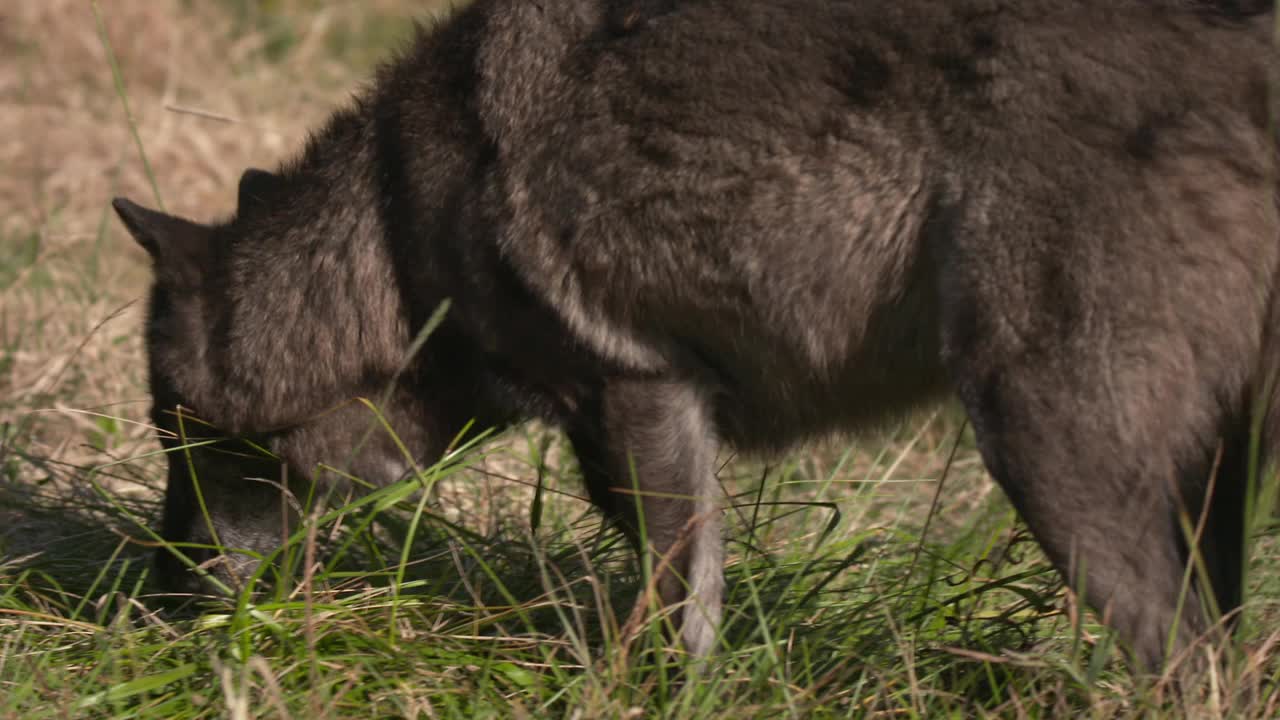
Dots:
(485, 598)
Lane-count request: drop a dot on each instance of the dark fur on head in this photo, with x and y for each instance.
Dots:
(668, 227)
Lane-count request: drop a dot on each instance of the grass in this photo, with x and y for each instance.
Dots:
(463, 592)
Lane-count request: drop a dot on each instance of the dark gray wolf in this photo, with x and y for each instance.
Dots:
(671, 227)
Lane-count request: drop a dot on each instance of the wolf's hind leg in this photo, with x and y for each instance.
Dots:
(1098, 455)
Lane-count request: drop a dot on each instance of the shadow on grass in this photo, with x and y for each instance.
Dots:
(61, 543)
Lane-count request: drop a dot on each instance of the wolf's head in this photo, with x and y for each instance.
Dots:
(275, 342)
(277, 315)
(190, 308)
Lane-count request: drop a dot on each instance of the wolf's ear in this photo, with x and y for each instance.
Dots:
(255, 186)
(179, 247)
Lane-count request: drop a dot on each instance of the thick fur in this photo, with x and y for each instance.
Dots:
(672, 226)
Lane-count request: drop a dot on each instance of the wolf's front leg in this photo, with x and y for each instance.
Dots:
(647, 449)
